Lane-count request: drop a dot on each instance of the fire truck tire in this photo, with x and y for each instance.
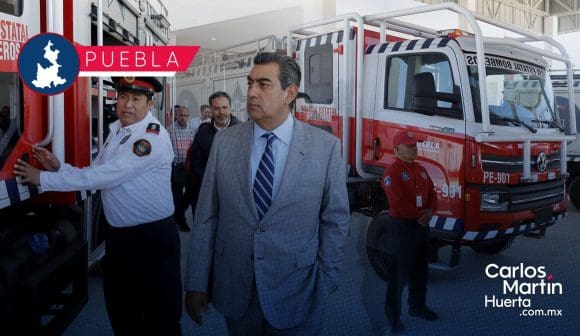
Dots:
(376, 242)
(574, 192)
(493, 248)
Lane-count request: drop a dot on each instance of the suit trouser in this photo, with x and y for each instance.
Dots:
(142, 279)
(181, 192)
(253, 322)
(195, 187)
(410, 243)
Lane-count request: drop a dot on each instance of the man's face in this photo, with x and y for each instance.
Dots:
(182, 116)
(132, 107)
(407, 153)
(220, 109)
(268, 103)
(206, 113)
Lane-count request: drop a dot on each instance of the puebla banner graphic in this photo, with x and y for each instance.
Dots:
(49, 63)
(162, 61)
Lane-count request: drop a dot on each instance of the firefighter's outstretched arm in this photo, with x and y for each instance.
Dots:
(28, 173)
(47, 160)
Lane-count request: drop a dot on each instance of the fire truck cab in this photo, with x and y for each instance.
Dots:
(483, 109)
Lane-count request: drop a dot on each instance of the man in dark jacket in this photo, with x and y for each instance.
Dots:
(220, 103)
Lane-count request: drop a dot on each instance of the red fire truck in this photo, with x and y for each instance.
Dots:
(490, 133)
(47, 240)
(483, 109)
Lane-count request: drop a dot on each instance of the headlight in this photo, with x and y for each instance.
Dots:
(494, 201)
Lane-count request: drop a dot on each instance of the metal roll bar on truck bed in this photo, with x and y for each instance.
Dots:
(387, 20)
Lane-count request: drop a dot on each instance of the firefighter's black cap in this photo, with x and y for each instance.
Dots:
(144, 85)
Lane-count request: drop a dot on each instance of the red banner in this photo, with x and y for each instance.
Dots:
(134, 60)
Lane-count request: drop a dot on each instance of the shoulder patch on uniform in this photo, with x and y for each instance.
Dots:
(153, 128)
(387, 181)
(142, 147)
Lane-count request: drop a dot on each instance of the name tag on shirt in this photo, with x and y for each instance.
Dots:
(419, 201)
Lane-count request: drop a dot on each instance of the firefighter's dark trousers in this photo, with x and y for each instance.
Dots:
(181, 192)
(407, 261)
(141, 279)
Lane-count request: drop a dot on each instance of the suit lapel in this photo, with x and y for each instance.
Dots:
(246, 150)
(293, 163)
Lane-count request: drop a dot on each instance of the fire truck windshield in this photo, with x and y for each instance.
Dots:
(516, 98)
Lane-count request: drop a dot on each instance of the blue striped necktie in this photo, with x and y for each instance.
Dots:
(264, 182)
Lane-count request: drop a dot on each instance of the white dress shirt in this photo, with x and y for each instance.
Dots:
(135, 189)
(280, 147)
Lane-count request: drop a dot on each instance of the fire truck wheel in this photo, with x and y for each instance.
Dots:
(574, 192)
(493, 248)
(376, 242)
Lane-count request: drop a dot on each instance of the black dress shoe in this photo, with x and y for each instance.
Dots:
(424, 313)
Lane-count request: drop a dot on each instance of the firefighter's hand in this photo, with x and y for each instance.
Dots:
(28, 173)
(196, 304)
(426, 215)
(47, 160)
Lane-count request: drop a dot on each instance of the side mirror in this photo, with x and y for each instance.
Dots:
(452, 98)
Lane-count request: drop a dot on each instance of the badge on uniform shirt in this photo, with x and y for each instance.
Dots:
(142, 147)
(423, 175)
(125, 139)
(153, 128)
(405, 176)
(387, 181)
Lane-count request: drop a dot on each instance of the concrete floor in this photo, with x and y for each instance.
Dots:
(457, 295)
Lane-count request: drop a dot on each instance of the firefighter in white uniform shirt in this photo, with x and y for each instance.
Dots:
(141, 277)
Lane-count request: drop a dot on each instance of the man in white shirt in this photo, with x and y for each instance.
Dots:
(205, 115)
(181, 134)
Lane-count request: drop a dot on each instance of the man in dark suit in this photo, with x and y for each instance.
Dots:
(272, 221)
(220, 103)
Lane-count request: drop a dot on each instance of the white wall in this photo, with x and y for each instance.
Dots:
(187, 13)
(571, 43)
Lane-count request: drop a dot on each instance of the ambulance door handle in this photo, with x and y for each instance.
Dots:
(376, 148)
